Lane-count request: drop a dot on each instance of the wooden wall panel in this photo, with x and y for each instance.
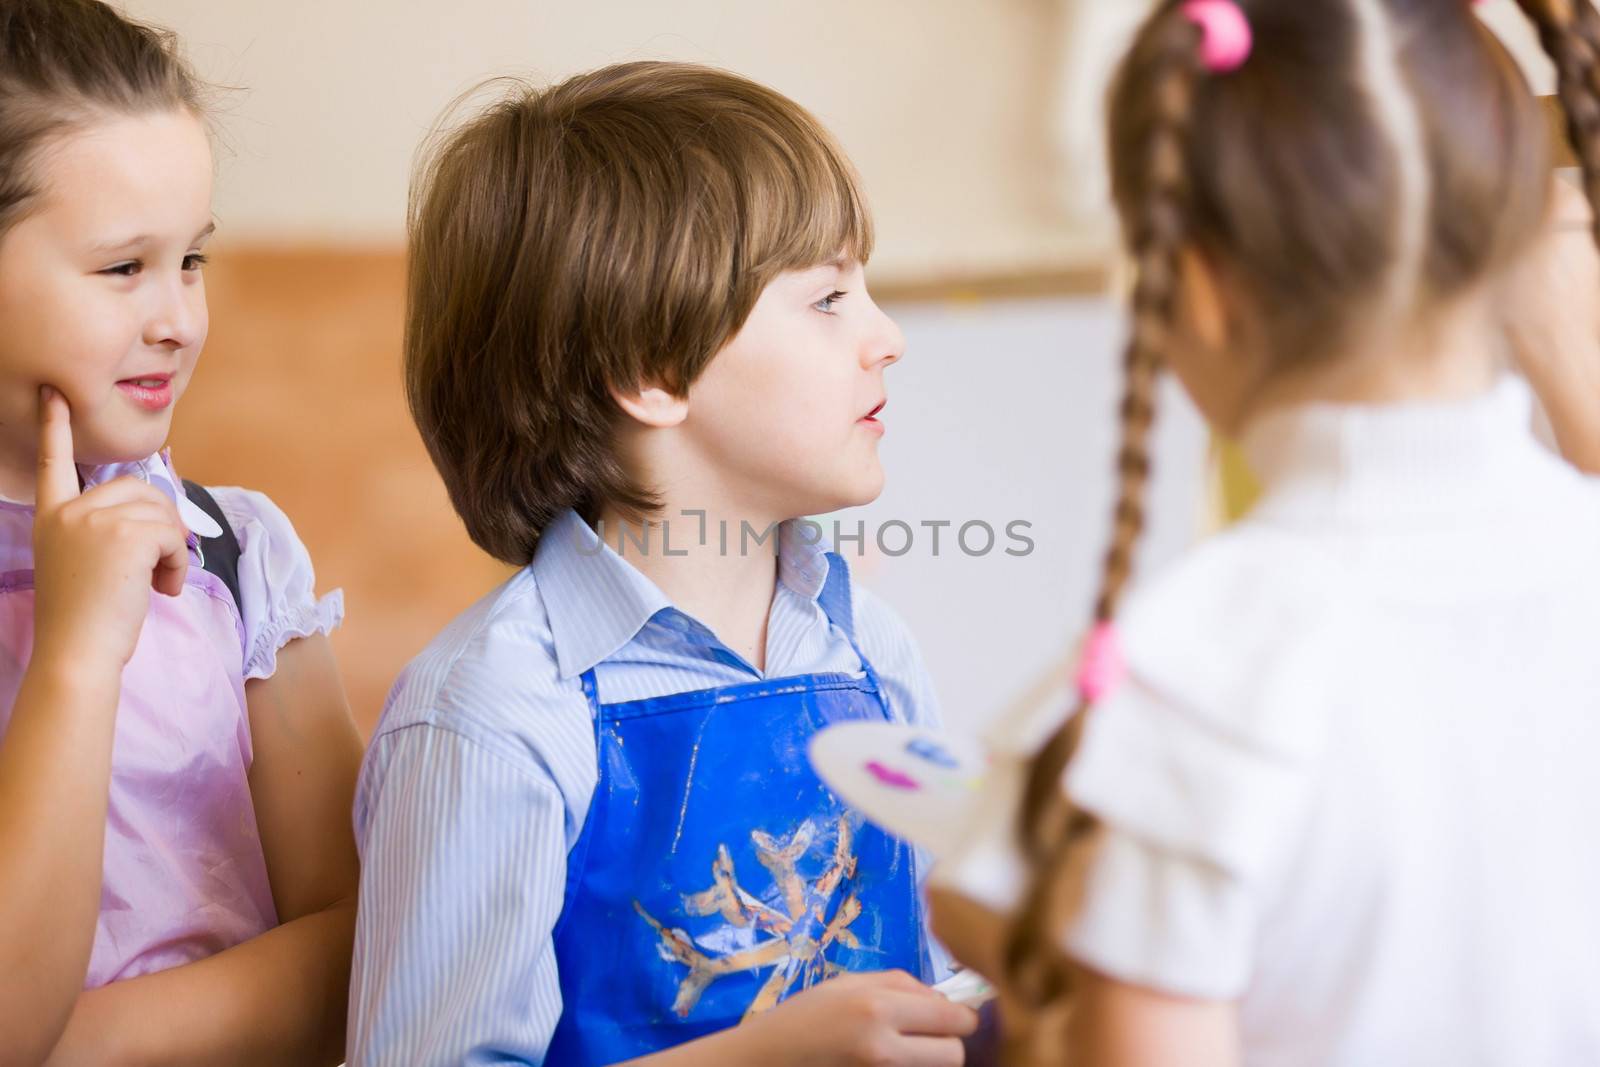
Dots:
(299, 394)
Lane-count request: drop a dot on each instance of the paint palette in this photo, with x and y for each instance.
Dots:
(917, 784)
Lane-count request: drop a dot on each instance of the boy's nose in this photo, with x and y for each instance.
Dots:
(887, 344)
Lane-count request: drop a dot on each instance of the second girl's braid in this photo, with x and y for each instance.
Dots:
(1037, 969)
(1569, 31)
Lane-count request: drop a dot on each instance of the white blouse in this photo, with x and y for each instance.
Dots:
(1353, 779)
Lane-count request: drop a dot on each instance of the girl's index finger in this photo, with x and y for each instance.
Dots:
(58, 474)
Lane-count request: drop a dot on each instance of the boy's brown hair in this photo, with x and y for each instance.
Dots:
(609, 232)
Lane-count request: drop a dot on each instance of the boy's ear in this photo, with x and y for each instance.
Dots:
(652, 405)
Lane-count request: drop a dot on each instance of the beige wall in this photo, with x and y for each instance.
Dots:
(1002, 411)
(956, 111)
(946, 105)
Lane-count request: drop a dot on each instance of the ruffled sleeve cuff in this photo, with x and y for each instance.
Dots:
(277, 585)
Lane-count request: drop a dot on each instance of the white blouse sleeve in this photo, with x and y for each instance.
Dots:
(1192, 823)
(1201, 768)
(277, 586)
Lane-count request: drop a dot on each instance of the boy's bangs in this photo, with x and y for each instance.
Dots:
(805, 208)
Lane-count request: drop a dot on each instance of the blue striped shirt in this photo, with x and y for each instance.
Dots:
(479, 777)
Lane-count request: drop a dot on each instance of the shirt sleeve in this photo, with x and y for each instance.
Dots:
(1194, 825)
(463, 850)
(1203, 766)
(277, 585)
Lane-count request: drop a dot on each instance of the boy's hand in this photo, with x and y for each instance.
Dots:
(882, 1019)
(96, 554)
(1553, 323)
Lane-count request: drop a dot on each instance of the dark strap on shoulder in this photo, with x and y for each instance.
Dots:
(219, 555)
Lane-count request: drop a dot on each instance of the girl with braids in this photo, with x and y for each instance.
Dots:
(177, 761)
(1330, 798)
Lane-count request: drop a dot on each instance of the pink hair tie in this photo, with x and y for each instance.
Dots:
(1226, 38)
(1102, 666)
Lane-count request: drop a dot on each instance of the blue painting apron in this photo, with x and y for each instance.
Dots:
(716, 874)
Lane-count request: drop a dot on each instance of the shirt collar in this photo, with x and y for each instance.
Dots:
(597, 601)
(1361, 462)
(813, 573)
(155, 470)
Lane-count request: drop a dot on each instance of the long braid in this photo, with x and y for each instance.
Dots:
(1037, 970)
(1569, 31)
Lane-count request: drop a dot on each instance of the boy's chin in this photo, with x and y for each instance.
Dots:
(841, 497)
(870, 489)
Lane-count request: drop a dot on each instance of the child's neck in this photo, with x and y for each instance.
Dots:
(725, 583)
(1456, 356)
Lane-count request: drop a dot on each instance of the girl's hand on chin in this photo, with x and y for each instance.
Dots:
(98, 554)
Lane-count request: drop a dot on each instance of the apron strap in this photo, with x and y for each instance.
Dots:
(591, 690)
(220, 555)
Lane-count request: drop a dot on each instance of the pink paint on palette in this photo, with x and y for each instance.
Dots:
(891, 777)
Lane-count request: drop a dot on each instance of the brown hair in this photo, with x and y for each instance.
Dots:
(1372, 158)
(62, 63)
(612, 231)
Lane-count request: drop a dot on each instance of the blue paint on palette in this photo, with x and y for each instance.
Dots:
(932, 752)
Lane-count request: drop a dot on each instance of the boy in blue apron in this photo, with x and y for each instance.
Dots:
(638, 348)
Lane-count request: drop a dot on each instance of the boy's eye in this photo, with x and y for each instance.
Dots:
(194, 261)
(125, 270)
(825, 305)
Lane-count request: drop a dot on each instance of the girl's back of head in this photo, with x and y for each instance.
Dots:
(1370, 159)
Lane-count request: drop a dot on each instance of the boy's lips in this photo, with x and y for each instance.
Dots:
(870, 419)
